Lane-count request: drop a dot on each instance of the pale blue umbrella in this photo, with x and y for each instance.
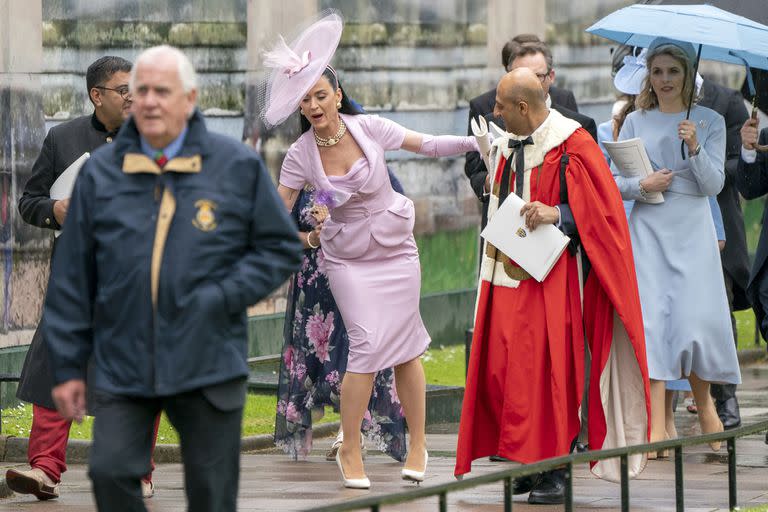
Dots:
(721, 35)
(718, 34)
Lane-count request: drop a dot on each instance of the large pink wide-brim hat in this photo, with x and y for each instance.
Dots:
(298, 67)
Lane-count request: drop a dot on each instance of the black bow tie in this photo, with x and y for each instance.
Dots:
(518, 146)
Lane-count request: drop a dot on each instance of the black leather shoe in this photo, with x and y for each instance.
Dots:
(524, 484)
(498, 458)
(726, 404)
(550, 489)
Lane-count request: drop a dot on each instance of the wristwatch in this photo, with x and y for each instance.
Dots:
(695, 151)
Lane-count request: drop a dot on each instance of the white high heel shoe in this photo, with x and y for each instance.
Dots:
(352, 483)
(330, 455)
(413, 475)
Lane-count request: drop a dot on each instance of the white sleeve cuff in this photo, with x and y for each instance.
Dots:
(748, 155)
(559, 217)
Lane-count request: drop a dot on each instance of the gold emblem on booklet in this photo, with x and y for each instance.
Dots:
(521, 232)
(205, 219)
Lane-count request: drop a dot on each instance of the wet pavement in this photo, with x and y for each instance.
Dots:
(269, 481)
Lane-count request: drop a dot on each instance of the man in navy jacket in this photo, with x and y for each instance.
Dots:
(172, 231)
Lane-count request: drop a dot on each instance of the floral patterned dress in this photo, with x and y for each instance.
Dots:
(315, 359)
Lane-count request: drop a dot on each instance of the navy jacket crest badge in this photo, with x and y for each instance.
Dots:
(205, 219)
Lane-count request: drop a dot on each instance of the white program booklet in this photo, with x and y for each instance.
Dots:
(632, 161)
(62, 187)
(535, 251)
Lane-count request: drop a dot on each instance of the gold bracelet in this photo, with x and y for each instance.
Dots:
(309, 242)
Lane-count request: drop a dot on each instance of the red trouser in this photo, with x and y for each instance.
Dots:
(48, 442)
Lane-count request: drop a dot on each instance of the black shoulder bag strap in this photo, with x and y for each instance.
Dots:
(573, 246)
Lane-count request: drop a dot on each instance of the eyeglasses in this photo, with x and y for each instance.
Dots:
(123, 91)
(542, 76)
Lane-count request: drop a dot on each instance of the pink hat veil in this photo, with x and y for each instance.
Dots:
(297, 67)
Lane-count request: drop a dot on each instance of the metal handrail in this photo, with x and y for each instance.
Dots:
(508, 475)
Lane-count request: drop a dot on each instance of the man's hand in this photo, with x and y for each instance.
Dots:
(487, 186)
(69, 398)
(537, 213)
(749, 134)
(60, 210)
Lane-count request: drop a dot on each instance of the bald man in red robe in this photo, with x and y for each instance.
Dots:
(526, 371)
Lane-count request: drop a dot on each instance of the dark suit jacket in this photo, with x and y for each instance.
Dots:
(64, 144)
(483, 105)
(563, 97)
(752, 182)
(729, 104)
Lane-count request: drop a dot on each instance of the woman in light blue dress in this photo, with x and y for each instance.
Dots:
(682, 293)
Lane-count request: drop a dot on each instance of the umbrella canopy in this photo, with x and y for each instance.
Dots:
(723, 36)
(755, 10)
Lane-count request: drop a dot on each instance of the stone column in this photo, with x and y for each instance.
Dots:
(24, 250)
(507, 18)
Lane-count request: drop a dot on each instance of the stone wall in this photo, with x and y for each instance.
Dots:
(23, 252)
(415, 61)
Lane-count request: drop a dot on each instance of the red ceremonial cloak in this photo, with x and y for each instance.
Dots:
(525, 377)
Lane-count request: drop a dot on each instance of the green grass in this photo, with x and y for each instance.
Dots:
(448, 260)
(753, 215)
(745, 326)
(442, 365)
(258, 418)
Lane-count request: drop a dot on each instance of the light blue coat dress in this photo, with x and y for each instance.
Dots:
(682, 293)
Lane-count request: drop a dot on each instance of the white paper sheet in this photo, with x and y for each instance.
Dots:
(632, 161)
(535, 251)
(62, 187)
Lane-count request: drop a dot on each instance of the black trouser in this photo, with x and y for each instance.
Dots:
(122, 441)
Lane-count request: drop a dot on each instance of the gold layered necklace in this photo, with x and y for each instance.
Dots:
(332, 141)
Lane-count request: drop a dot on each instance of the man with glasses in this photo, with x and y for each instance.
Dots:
(524, 50)
(107, 83)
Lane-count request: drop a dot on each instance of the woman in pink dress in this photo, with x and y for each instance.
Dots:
(369, 253)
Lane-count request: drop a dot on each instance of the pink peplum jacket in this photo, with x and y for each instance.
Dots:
(375, 210)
